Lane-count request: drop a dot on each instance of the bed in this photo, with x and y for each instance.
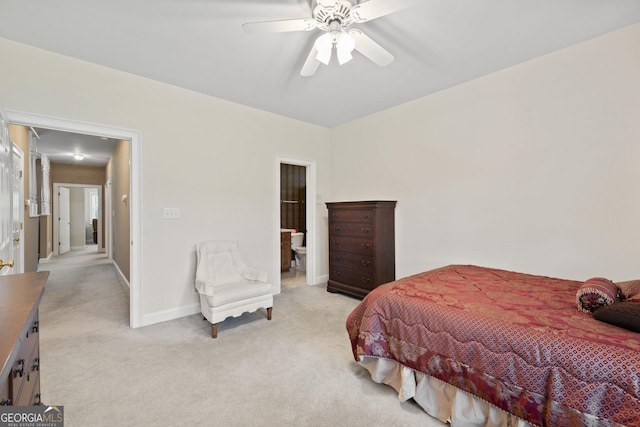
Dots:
(480, 346)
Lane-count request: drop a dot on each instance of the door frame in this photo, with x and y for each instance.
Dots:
(312, 232)
(17, 152)
(57, 219)
(56, 187)
(135, 190)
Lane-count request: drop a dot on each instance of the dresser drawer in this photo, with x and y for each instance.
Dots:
(350, 260)
(21, 372)
(351, 215)
(5, 392)
(355, 229)
(352, 244)
(360, 278)
(26, 394)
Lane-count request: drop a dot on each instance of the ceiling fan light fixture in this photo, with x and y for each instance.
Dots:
(323, 45)
(329, 4)
(344, 46)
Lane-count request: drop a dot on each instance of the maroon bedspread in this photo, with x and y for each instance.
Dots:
(515, 340)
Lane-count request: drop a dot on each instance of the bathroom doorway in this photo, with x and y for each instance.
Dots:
(293, 224)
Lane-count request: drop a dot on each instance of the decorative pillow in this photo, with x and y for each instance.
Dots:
(629, 290)
(595, 293)
(623, 314)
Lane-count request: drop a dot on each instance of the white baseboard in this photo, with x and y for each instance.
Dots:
(174, 313)
(123, 279)
(45, 260)
(322, 280)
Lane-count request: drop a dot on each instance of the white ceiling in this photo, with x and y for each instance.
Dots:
(200, 45)
(61, 146)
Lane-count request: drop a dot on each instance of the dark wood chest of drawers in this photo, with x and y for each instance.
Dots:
(361, 246)
(20, 296)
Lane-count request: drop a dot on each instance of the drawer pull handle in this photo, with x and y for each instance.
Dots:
(336, 258)
(335, 214)
(337, 273)
(9, 263)
(5, 402)
(365, 280)
(36, 364)
(366, 245)
(366, 230)
(366, 262)
(365, 216)
(336, 228)
(336, 242)
(36, 326)
(20, 371)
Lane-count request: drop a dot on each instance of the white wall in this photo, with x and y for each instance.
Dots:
(213, 159)
(533, 169)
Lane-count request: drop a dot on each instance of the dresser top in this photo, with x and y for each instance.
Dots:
(365, 203)
(20, 295)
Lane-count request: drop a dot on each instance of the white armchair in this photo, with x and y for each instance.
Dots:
(227, 286)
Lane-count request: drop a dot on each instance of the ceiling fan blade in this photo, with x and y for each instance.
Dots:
(373, 9)
(303, 24)
(372, 50)
(311, 64)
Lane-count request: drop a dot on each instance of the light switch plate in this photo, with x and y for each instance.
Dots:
(171, 213)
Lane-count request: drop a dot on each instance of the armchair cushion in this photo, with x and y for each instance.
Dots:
(232, 292)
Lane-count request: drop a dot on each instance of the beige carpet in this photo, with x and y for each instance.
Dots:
(295, 370)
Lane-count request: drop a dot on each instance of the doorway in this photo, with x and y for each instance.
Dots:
(135, 190)
(293, 224)
(75, 208)
(289, 206)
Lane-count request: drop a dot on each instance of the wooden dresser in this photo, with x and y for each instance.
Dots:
(361, 246)
(20, 296)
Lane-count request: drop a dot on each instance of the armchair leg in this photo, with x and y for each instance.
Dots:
(269, 311)
(214, 330)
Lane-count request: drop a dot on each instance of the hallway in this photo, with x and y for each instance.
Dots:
(75, 258)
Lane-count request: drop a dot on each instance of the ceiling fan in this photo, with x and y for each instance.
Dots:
(334, 17)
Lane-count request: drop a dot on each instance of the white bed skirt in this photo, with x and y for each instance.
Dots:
(439, 399)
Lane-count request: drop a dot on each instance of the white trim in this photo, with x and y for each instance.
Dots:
(107, 219)
(172, 314)
(17, 151)
(46, 260)
(123, 279)
(135, 190)
(312, 227)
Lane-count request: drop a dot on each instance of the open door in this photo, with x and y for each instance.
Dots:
(64, 221)
(17, 216)
(6, 219)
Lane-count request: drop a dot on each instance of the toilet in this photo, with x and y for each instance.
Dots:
(297, 240)
(301, 258)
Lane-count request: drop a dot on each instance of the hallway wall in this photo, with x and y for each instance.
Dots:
(118, 175)
(20, 135)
